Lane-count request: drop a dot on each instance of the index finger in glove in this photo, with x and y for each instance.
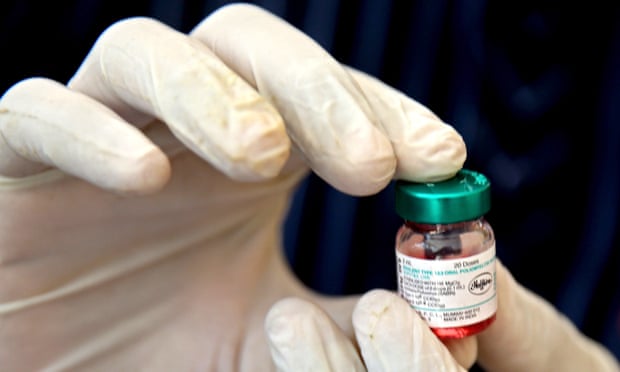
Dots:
(427, 149)
(142, 68)
(326, 114)
(346, 140)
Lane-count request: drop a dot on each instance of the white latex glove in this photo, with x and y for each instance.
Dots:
(528, 335)
(123, 248)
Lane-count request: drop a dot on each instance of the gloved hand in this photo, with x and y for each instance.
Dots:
(527, 335)
(142, 205)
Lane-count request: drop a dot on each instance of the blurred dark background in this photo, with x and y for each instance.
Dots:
(533, 87)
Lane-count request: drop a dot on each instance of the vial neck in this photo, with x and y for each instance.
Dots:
(439, 227)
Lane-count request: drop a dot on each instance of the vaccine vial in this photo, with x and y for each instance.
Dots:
(445, 253)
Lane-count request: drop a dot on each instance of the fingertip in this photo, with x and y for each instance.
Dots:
(261, 146)
(278, 325)
(289, 306)
(146, 175)
(364, 166)
(371, 307)
(143, 174)
(429, 151)
(393, 337)
(374, 298)
(464, 350)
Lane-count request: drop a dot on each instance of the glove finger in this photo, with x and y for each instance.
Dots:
(142, 68)
(43, 124)
(530, 335)
(326, 114)
(392, 337)
(302, 337)
(426, 149)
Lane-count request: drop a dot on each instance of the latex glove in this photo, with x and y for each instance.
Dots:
(389, 336)
(177, 272)
(528, 335)
(141, 209)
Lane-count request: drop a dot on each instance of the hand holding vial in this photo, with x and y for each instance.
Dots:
(142, 206)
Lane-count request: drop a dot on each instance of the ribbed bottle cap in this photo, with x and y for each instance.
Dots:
(465, 196)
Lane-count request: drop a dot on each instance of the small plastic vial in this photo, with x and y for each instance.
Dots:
(445, 253)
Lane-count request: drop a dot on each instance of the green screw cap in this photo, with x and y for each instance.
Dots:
(464, 197)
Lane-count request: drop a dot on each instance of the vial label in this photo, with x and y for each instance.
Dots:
(452, 292)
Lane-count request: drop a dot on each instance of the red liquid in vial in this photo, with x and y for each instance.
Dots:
(458, 240)
(463, 331)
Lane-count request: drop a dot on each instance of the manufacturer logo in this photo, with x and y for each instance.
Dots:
(481, 284)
